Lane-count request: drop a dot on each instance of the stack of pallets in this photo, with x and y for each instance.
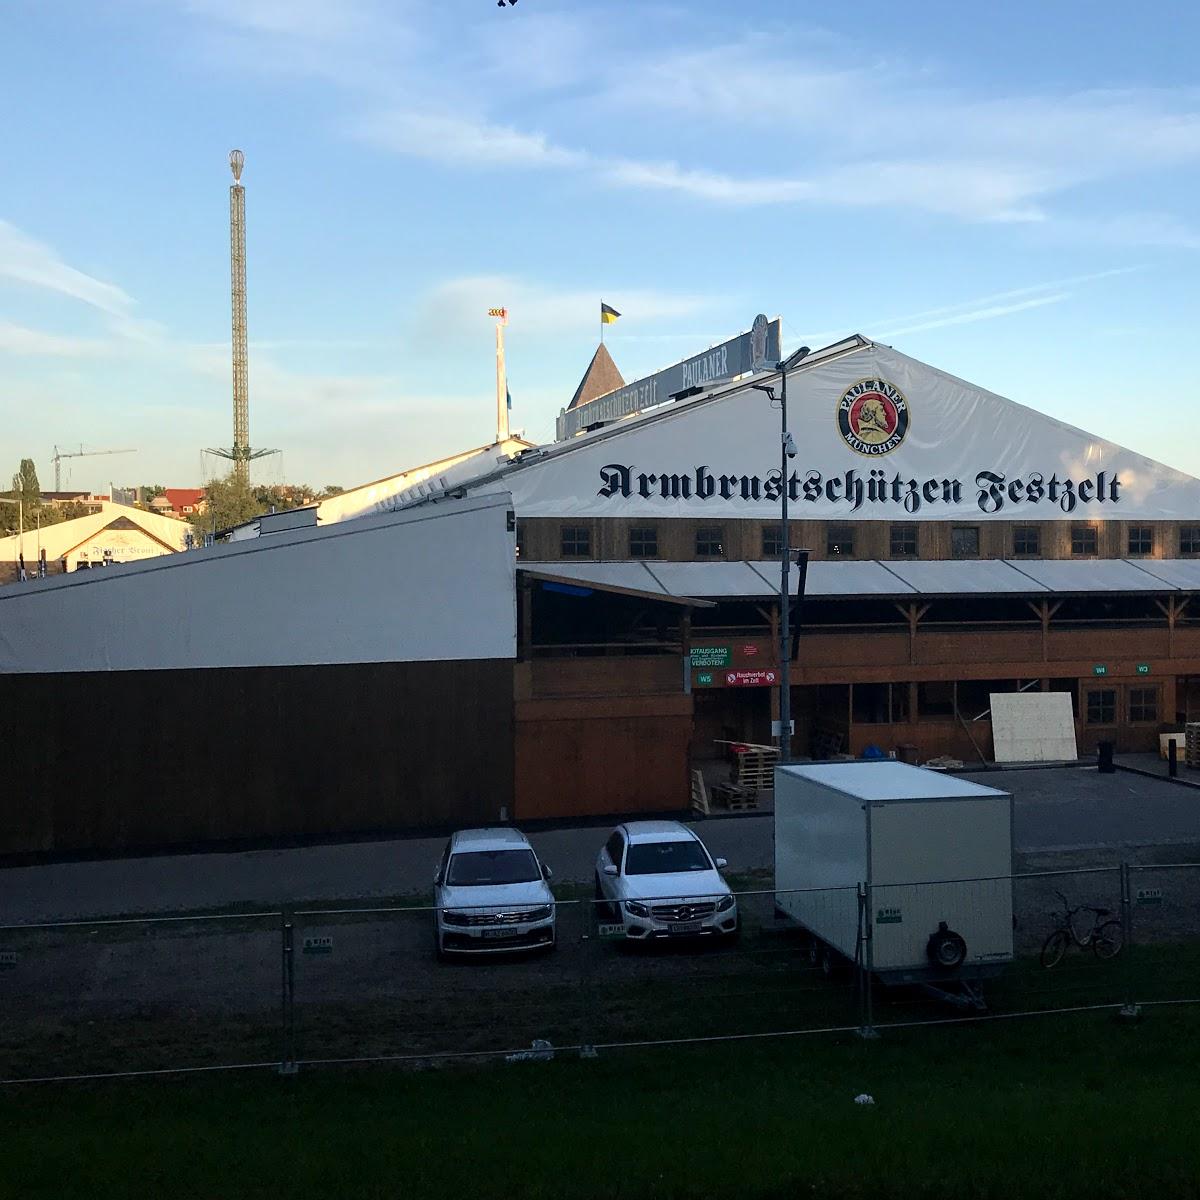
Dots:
(754, 768)
(1191, 744)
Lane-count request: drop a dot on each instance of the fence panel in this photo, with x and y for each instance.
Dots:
(369, 984)
(767, 977)
(141, 995)
(1164, 917)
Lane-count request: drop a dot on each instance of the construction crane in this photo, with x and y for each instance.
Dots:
(59, 455)
(240, 453)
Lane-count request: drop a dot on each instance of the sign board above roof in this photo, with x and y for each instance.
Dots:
(757, 350)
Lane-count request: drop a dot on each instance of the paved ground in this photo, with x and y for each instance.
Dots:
(1056, 810)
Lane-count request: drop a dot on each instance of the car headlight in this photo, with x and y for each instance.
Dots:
(634, 909)
(724, 904)
(455, 918)
(539, 914)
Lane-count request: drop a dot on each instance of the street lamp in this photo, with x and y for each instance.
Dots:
(787, 450)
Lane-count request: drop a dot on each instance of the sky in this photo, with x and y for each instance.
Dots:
(1007, 192)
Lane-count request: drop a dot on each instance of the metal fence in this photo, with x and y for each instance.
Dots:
(290, 989)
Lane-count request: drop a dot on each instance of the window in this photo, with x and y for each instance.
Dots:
(1141, 539)
(772, 541)
(904, 541)
(481, 868)
(643, 542)
(1189, 541)
(839, 541)
(576, 541)
(935, 699)
(615, 847)
(964, 541)
(666, 858)
(1143, 705)
(1027, 540)
(1083, 539)
(709, 543)
(1102, 707)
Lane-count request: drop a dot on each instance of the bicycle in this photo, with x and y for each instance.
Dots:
(1106, 938)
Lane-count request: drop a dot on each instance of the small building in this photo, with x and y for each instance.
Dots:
(115, 533)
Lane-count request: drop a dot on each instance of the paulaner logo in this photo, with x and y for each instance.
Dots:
(872, 416)
(994, 489)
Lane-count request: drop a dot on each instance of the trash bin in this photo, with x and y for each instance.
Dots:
(908, 753)
(1104, 753)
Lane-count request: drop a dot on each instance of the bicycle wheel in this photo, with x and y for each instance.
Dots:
(1054, 947)
(1108, 940)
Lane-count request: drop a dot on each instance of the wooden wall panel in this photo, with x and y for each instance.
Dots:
(124, 760)
(743, 537)
(586, 765)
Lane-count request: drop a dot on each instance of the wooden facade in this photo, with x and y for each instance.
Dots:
(542, 539)
(116, 761)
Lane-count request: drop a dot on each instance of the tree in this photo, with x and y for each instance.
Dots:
(330, 489)
(27, 496)
(26, 486)
(227, 502)
(148, 491)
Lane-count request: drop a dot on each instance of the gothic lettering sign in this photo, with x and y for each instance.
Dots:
(992, 490)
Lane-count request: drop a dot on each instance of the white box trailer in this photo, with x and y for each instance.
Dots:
(932, 851)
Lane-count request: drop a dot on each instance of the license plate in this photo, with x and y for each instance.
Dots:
(497, 933)
(686, 927)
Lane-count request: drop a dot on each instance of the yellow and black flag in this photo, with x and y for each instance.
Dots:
(608, 314)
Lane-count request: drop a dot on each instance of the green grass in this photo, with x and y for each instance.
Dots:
(1054, 1107)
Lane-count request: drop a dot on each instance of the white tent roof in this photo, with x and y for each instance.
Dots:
(978, 577)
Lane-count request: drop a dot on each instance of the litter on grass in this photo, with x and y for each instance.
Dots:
(863, 1098)
(540, 1051)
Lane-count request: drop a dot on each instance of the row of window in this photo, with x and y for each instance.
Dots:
(576, 541)
(1143, 706)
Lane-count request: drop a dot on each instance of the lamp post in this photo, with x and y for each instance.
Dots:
(787, 450)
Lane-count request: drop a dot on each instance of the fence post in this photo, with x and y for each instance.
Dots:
(590, 916)
(1130, 1010)
(864, 959)
(287, 997)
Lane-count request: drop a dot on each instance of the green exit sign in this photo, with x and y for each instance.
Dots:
(1098, 669)
(1143, 668)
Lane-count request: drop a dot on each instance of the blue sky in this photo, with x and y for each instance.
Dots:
(1007, 192)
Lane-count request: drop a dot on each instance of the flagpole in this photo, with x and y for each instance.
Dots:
(602, 322)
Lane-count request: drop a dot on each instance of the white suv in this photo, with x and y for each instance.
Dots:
(492, 895)
(661, 882)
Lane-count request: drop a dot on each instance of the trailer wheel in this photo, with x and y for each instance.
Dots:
(946, 949)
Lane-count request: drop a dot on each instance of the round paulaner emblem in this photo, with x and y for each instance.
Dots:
(872, 416)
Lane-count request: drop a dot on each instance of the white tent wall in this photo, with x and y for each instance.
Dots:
(435, 584)
(965, 453)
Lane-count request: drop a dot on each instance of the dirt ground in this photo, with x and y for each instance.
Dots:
(99, 997)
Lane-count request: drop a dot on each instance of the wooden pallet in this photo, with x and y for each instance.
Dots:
(754, 768)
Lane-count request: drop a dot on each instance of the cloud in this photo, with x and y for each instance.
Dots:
(21, 340)
(460, 141)
(879, 132)
(980, 314)
(26, 260)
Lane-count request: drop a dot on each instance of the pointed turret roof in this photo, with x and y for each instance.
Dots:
(599, 379)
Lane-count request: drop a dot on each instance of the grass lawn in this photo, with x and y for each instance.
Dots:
(1056, 1106)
